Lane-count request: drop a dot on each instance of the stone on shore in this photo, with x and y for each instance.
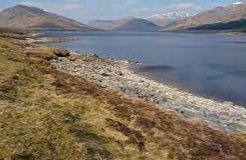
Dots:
(61, 52)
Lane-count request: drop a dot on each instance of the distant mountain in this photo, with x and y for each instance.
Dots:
(158, 19)
(103, 24)
(109, 24)
(165, 19)
(223, 14)
(32, 18)
(138, 24)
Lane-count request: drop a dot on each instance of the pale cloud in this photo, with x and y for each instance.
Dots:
(69, 6)
(185, 6)
(188, 6)
(129, 2)
(143, 11)
(72, 0)
(140, 10)
(85, 10)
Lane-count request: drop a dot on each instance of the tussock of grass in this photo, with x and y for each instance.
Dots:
(46, 114)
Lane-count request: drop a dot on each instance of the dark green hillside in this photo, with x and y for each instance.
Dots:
(234, 25)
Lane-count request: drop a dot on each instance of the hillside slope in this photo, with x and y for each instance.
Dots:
(47, 114)
(32, 18)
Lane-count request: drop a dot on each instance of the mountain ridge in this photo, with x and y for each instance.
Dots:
(125, 24)
(20, 17)
(109, 24)
(138, 24)
(221, 14)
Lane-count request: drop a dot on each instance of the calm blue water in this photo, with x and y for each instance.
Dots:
(206, 64)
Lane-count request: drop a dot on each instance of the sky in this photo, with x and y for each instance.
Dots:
(87, 10)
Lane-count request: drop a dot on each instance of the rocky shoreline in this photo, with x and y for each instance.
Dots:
(45, 40)
(116, 75)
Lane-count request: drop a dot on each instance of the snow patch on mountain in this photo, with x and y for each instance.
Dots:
(237, 3)
(164, 19)
(173, 15)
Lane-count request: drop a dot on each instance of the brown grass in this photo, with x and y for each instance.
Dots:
(47, 114)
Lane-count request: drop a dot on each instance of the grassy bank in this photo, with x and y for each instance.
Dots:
(47, 114)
